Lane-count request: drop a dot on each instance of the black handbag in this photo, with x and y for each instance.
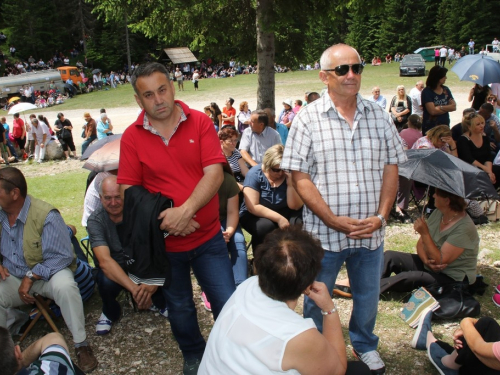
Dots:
(455, 301)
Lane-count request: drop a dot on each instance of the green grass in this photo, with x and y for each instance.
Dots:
(65, 191)
(244, 87)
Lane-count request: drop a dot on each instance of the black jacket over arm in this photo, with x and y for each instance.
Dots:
(142, 239)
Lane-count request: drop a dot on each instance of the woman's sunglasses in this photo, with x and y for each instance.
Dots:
(492, 100)
(342, 70)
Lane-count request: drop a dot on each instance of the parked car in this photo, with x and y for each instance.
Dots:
(490, 53)
(412, 65)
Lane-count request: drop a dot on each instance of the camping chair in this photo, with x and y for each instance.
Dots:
(418, 195)
(46, 311)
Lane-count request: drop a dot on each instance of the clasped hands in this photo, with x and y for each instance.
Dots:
(357, 228)
(178, 222)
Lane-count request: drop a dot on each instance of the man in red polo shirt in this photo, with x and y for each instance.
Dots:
(174, 150)
(228, 113)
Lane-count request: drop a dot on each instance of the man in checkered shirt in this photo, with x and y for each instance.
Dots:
(343, 151)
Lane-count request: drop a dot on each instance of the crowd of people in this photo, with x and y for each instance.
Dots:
(270, 175)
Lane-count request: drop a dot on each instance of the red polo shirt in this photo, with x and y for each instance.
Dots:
(230, 113)
(174, 170)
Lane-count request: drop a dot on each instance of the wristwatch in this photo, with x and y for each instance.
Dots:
(382, 219)
(30, 276)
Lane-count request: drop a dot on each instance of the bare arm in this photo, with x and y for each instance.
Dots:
(178, 220)
(33, 352)
(247, 158)
(312, 352)
(243, 167)
(483, 350)
(112, 269)
(440, 110)
(252, 198)
(293, 200)
(233, 217)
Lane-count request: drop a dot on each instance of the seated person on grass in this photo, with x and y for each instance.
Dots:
(103, 226)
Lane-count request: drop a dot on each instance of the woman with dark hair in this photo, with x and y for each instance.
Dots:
(228, 113)
(217, 115)
(474, 147)
(437, 100)
(446, 250)
(478, 95)
(228, 139)
(258, 331)
(270, 199)
(400, 108)
(63, 129)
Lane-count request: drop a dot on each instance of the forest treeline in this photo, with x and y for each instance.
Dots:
(222, 29)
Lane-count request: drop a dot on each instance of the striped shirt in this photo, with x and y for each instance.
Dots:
(54, 360)
(346, 165)
(56, 244)
(233, 161)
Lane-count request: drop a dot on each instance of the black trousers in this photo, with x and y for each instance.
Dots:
(410, 273)
(260, 227)
(489, 330)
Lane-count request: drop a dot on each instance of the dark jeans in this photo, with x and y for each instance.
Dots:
(260, 227)
(11, 148)
(410, 273)
(489, 330)
(109, 291)
(212, 268)
(86, 143)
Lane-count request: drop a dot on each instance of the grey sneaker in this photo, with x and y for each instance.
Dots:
(191, 366)
(372, 360)
(436, 354)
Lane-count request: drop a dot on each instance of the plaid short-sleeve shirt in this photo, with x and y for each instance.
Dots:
(346, 165)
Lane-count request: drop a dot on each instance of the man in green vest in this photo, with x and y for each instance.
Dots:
(37, 257)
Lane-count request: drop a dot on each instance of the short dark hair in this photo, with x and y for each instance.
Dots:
(8, 360)
(227, 132)
(457, 203)
(487, 107)
(415, 121)
(231, 100)
(59, 115)
(262, 116)
(11, 178)
(287, 262)
(435, 74)
(312, 96)
(145, 70)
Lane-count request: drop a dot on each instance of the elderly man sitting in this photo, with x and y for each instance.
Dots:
(38, 258)
(257, 138)
(103, 226)
(377, 98)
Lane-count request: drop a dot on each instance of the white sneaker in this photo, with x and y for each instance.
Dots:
(372, 360)
(162, 312)
(103, 326)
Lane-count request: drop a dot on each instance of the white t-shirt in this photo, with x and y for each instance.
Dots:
(39, 131)
(251, 333)
(443, 51)
(416, 101)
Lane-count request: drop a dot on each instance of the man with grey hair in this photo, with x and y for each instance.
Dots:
(257, 138)
(416, 99)
(377, 98)
(190, 174)
(344, 152)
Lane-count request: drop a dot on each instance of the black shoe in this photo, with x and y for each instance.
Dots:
(191, 366)
(404, 217)
(342, 291)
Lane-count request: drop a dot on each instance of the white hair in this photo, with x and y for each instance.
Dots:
(325, 60)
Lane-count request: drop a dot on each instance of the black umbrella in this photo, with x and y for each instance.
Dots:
(95, 71)
(96, 145)
(447, 172)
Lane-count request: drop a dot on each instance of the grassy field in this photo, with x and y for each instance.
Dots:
(244, 87)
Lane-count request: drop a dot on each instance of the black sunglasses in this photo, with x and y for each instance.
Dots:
(276, 170)
(342, 70)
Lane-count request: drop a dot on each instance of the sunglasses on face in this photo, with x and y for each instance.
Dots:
(492, 100)
(342, 70)
(276, 170)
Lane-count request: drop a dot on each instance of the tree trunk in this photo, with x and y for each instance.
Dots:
(127, 41)
(265, 54)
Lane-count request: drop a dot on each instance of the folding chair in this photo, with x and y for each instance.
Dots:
(46, 311)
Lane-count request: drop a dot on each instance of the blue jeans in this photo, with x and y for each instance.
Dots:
(109, 291)
(212, 268)
(11, 148)
(238, 253)
(364, 268)
(86, 143)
